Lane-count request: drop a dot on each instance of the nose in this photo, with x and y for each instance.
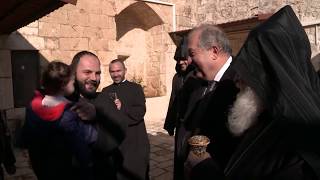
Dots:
(93, 76)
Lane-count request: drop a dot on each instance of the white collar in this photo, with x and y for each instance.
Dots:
(51, 101)
(223, 69)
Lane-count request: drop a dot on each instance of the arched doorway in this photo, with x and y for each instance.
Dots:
(141, 37)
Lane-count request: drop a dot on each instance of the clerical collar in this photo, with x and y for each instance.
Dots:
(223, 69)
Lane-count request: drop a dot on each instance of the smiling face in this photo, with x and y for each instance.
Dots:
(117, 72)
(184, 63)
(88, 75)
(201, 57)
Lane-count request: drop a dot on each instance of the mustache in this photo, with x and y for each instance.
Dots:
(93, 82)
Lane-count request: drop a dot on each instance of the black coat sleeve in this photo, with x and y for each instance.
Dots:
(137, 107)
(172, 113)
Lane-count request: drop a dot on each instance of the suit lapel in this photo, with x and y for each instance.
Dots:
(195, 97)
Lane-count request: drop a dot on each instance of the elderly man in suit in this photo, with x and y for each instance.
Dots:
(263, 113)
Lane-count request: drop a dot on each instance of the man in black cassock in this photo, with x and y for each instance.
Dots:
(183, 84)
(275, 117)
(183, 72)
(111, 124)
(129, 98)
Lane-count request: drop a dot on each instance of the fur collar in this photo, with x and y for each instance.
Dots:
(245, 111)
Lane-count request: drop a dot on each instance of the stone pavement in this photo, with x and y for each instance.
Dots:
(161, 151)
(161, 155)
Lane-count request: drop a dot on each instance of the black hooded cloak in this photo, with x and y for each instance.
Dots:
(275, 62)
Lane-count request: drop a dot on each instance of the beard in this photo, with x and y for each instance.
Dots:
(81, 86)
(245, 111)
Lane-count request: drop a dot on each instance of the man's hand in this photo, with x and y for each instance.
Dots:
(117, 102)
(85, 110)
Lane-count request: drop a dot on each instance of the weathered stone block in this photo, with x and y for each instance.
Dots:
(109, 33)
(36, 41)
(58, 17)
(6, 93)
(29, 30)
(34, 24)
(98, 44)
(108, 7)
(99, 20)
(5, 64)
(49, 29)
(52, 43)
(93, 32)
(77, 17)
(71, 31)
(73, 43)
(63, 55)
(106, 56)
(45, 55)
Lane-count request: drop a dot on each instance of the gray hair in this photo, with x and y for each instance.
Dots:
(211, 35)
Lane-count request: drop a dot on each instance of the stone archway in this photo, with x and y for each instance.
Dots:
(140, 37)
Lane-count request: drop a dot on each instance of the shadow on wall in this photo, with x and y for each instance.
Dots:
(24, 64)
(137, 15)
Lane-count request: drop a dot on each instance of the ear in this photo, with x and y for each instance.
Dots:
(214, 50)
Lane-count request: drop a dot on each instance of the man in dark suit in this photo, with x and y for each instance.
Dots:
(262, 121)
(211, 53)
(129, 98)
(90, 106)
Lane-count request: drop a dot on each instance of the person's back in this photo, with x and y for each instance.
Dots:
(48, 149)
(57, 141)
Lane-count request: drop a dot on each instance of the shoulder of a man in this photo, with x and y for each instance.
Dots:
(134, 84)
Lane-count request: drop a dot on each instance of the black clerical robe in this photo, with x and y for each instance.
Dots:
(275, 63)
(135, 147)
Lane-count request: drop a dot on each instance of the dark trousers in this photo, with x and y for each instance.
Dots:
(180, 151)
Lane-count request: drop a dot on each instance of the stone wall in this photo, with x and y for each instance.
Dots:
(195, 12)
(136, 30)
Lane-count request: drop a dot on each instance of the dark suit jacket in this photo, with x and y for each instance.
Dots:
(135, 147)
(209, 117)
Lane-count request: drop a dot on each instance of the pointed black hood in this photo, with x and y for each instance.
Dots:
(275, 62)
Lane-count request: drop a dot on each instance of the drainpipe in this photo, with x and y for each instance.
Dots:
(166, 4)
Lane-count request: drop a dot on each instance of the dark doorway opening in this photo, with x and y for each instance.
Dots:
(25, 75)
